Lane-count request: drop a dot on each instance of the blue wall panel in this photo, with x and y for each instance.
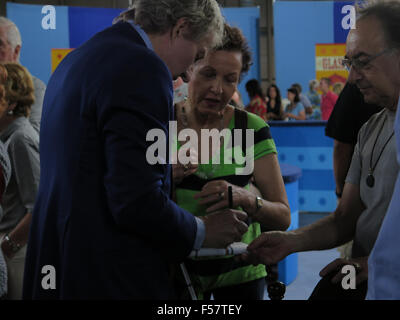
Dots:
(37, 42)
(299, 26)
(317, 200)
(288, 267)
(306, 146)
(317, 180)
(340, 33)
(305, 136)
(247, 19)
(307, 158)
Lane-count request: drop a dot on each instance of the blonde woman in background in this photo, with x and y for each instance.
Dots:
(337, 88)
(315, 99)
(22, 143)
(5, 173)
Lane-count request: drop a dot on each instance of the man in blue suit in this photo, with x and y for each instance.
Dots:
(103, 219)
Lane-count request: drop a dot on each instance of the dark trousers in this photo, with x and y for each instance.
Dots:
(248, 291)
(326, 290)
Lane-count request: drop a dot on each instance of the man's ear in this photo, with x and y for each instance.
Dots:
(16, 53)
(181, 27)
(189, 72)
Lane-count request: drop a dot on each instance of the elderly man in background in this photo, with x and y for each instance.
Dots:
(373, 59)
(10, 48)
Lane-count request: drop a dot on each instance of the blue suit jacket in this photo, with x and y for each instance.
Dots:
(103, 216)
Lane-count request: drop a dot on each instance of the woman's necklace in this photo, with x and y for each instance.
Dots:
(211, 170)
(370, 178)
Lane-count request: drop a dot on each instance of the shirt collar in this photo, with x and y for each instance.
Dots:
(142, 34)
(7, 132)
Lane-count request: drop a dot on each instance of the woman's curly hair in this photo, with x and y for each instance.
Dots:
(234, 40)
(19, 88)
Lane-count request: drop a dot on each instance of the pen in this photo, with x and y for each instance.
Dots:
(230, 198)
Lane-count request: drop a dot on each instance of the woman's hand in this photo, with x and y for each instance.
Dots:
(180, 171)
(215, 194)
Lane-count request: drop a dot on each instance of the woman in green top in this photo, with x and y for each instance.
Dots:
(203, 188)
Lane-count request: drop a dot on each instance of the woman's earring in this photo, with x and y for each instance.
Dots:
(10, 112)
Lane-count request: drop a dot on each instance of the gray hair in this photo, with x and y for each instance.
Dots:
(13, 35)
(158, 16)
(388, 14)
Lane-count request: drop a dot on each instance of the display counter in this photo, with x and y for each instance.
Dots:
(304, 145)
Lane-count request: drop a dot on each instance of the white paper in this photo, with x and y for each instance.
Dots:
(235, 248)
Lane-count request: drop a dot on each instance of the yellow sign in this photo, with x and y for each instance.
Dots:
(57, 55)
(328, 62)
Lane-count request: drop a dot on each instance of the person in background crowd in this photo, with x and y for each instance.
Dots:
(22, 142)
(5, 174)
(312, 94)
(373, 61)
(10, 49)
(274, 104)
(295, 110)
(236, 100)
(204, 190)
(347, 118)
(328, 98)
(337, 88)
(258, 103)
(303, 99)
(315, 99)
(180, 90)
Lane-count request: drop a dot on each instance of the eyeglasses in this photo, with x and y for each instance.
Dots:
(360, 64)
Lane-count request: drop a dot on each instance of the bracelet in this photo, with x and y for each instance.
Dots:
(14, 246)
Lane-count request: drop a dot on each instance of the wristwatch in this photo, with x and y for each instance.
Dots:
(13, 245)
(259, 203)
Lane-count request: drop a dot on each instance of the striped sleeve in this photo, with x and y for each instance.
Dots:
(263, 142)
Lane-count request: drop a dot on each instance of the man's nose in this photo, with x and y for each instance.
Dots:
(216, 87)
(354, 75)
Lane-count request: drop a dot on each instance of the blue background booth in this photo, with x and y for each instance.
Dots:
(304, 144)
(287, 268)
